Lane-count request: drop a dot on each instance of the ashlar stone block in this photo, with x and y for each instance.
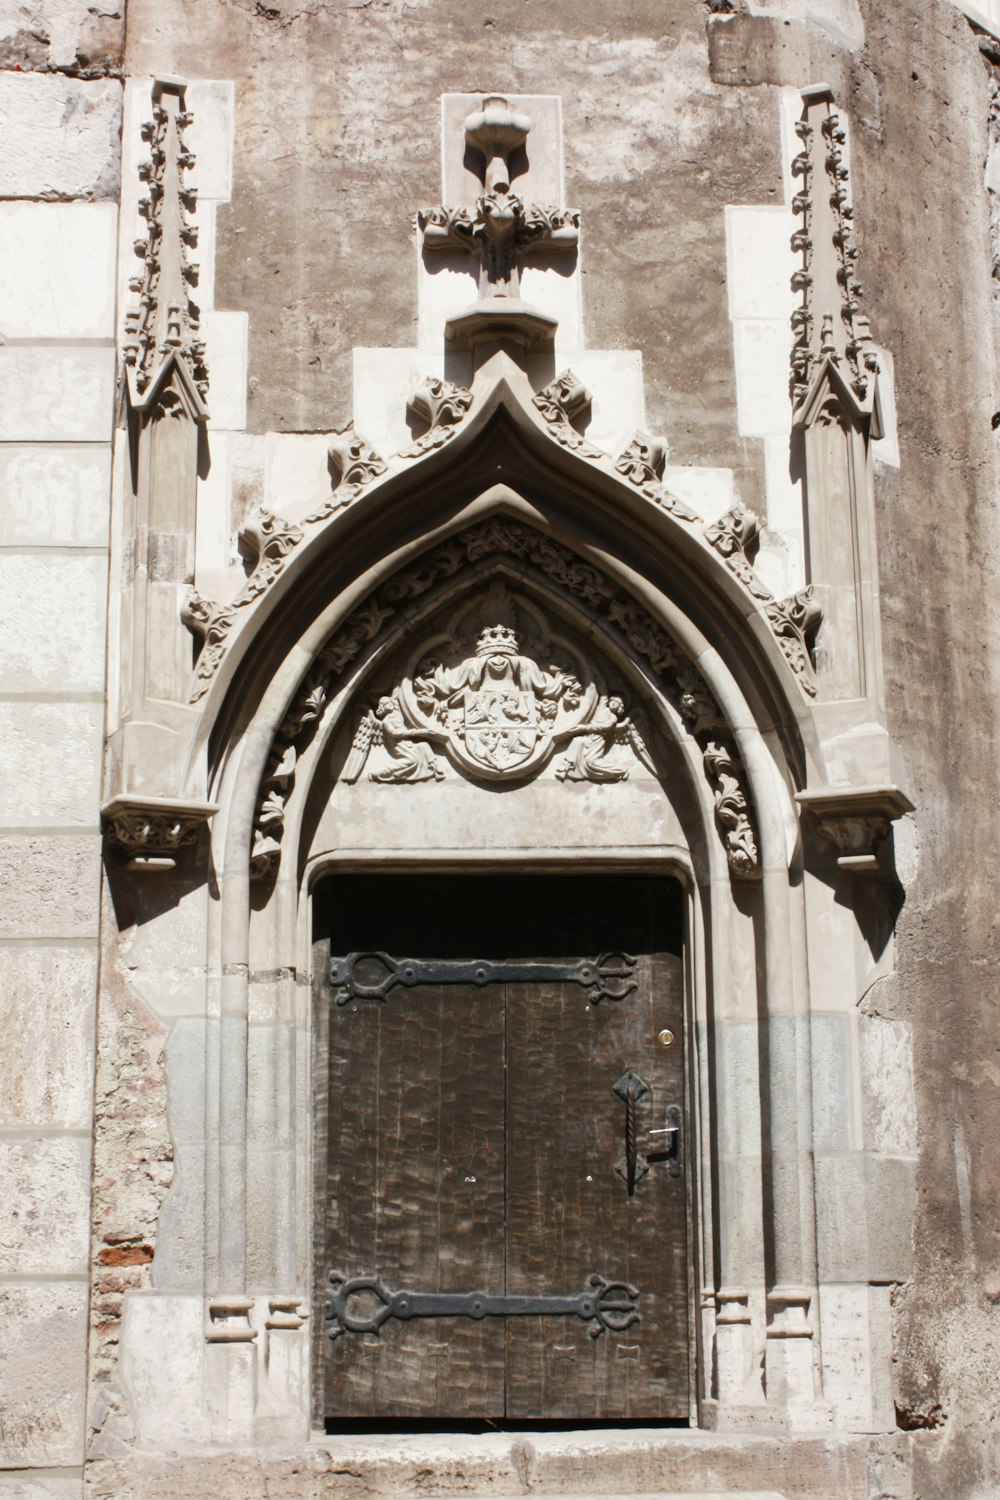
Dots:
(55, 497)
(48, 646)
(47, 997)
(57, 272)
(43, 1329)
(50, 884)
(50, 394)
(61, 33)
(53, 760)
(44, 1206)
(61, 136)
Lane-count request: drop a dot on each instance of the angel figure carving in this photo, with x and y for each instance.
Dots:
(411, 757)
(597, 753)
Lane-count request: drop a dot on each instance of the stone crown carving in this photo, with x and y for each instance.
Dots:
(165, 323)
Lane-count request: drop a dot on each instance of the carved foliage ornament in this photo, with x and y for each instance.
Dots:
(793, 621)
(442, 405)
(452, 687)
(268, 539)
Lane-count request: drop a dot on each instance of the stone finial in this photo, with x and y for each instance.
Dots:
(496, 132)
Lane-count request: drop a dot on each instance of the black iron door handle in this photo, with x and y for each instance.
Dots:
(630, 1088)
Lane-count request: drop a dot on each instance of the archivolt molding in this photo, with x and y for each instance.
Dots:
(625, 622)
(356, 470)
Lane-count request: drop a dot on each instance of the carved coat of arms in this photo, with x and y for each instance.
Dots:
(496, 714)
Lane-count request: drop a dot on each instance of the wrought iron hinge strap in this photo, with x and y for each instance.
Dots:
(607, 977)
(603, 1304)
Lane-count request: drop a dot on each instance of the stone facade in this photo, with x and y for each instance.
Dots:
(356, 363)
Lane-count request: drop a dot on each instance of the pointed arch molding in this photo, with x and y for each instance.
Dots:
(490, 543)
(506, 431)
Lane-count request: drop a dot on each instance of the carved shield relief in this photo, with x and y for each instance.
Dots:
(496, 693)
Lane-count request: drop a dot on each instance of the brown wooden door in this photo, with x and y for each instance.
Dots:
(477, 1145)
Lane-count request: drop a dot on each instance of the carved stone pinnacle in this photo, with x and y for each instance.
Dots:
(496, 132)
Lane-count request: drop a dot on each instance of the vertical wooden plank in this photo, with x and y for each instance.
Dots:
(569, 1213)
(416, 1195)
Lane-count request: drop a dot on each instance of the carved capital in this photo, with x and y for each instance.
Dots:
(153, 829)
(853, 822)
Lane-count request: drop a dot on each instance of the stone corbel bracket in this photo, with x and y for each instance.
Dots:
(853, 822)
(152, 829)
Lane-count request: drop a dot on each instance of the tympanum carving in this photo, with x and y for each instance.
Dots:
(497, 711)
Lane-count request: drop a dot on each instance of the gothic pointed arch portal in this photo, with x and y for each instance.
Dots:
(503, 708)
(499, 696)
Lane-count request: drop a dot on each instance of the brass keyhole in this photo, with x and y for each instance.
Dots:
(665, 1037)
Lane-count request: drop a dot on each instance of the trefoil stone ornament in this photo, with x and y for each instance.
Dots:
(500, 231)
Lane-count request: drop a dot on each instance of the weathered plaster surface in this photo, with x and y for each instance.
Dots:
(939, 548)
